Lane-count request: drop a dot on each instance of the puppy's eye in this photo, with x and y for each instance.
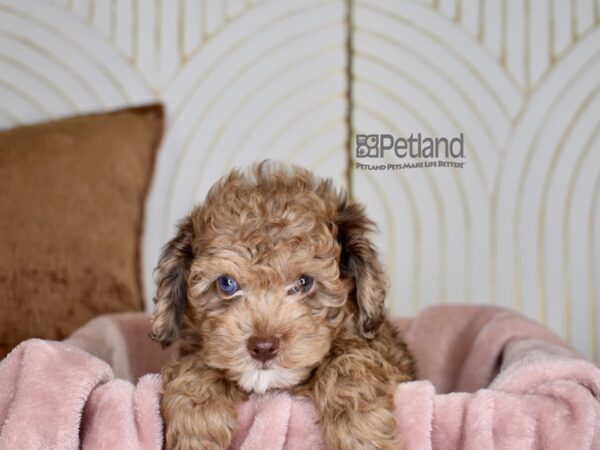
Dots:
(227, 285)
(302, 285)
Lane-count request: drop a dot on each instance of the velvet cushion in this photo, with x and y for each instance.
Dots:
(72, 196)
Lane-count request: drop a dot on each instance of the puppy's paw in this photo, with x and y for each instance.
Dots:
(354, 394)
(198, 427)
(361, 430)
(198, 408)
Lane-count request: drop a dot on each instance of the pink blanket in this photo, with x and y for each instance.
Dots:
(489, 379)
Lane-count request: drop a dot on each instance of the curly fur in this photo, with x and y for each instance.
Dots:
(266, 226)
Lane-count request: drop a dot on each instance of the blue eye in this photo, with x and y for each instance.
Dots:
(302, 285)
(227, 285)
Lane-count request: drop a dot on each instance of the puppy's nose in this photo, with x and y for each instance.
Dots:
(263, 349)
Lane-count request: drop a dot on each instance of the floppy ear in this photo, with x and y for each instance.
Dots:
(360, 262)
(171, 277)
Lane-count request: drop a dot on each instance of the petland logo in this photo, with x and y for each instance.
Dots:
(412, 153)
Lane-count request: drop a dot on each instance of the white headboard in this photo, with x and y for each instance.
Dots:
(518, 226)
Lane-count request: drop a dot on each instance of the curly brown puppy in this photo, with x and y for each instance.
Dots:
(273, 284)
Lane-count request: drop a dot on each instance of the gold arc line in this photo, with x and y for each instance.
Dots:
(391, 241)
(504, 36)
(416, 218)
(556, 153)
(25, 41)
(487, 127)
(239, 43)
(480, 23)
(10, 115)
(525, 170)
(98, 63)
(28, 98)
(113, 21)
(553, 58)
(241, 71)
(322, 157)
(114, 47)
(593, 263)
(349, 80)
(378, 189)
(222, 11)
(595, 132)
(274, 136)
(157, 46)
(466, 63)
(551, 33)
(437, 198)
(91, 13)
(252, 93)
(458, 13)
(201, 45)
(575, 42)
(493, 240)
(203, 15)
(322, 101)
(527, 44)
(508, 143)
(293, 119)
(278, 102)
(450, 117)
(180, 34)
(399, 70)
(42, 79)
(315, 133)
(460, 190)
(284, 127)
(573, 22)
(500, 166)
(135, 40)
(294, 90)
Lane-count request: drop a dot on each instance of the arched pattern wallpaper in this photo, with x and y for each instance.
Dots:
(518, 225)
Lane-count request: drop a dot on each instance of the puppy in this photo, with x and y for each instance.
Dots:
(273, 284)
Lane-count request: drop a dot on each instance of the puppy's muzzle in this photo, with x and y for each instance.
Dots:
(263, 349)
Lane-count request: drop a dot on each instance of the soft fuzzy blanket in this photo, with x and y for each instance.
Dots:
(490, 379)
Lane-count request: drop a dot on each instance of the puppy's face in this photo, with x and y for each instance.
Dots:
(263, 275)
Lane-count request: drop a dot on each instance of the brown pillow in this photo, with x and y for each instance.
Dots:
(72, 196)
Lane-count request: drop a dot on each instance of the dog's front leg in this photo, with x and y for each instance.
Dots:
(198, 406)
(354, 394)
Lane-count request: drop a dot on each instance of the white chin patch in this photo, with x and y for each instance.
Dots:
(260, 380)
(257, 380)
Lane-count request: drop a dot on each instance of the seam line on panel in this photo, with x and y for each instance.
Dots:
(349, 113)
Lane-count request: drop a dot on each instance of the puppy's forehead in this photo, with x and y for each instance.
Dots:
(270, 212)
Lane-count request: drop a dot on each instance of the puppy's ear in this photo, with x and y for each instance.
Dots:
(360, 262)
(171, 276)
